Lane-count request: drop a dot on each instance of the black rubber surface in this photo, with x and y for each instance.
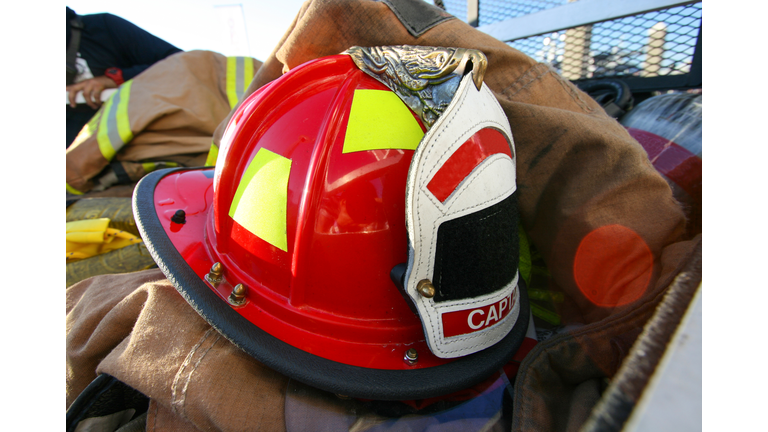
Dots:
(316, 371)
(104, 396)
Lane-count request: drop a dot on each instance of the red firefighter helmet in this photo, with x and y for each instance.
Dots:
(296, 247)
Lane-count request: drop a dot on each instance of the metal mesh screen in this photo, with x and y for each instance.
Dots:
(653, 44)
(457, 8)
(492, 11)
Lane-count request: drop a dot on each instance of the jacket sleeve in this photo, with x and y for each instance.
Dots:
(138, 48)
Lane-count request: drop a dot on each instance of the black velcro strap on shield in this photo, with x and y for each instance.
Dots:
(478, 253)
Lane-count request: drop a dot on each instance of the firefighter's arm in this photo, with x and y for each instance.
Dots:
(91, 89)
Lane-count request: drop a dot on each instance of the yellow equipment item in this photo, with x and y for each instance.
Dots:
(90, 237)
(102, 238)
(116, 209)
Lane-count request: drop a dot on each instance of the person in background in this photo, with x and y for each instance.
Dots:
(103, 51)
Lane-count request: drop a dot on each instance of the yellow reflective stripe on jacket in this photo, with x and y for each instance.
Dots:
(88, 130)
(114, 127)
(151, 166)
(213, 154)
(239, 76)
(72, 190)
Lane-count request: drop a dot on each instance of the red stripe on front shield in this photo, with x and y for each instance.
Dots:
(476, 149)
(473, 320)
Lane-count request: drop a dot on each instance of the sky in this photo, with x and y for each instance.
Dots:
(199, 24)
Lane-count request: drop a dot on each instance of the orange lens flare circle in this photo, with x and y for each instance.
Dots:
(613, 266)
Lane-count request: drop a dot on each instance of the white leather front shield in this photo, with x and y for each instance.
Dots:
(454, 326)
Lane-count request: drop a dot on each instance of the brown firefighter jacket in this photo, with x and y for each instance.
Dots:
(165, 116)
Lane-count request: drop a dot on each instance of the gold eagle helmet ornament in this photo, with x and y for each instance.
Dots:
(425, 78)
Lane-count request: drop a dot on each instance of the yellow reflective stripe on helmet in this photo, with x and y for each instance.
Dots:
(378, 120)
(72, 190)
(213, 154)
(239, 76)
(261, 200)
(114, 129)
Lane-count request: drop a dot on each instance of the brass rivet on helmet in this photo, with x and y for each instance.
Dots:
(237, 298)
(425, 288)
(411, 356)
(214, 275)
